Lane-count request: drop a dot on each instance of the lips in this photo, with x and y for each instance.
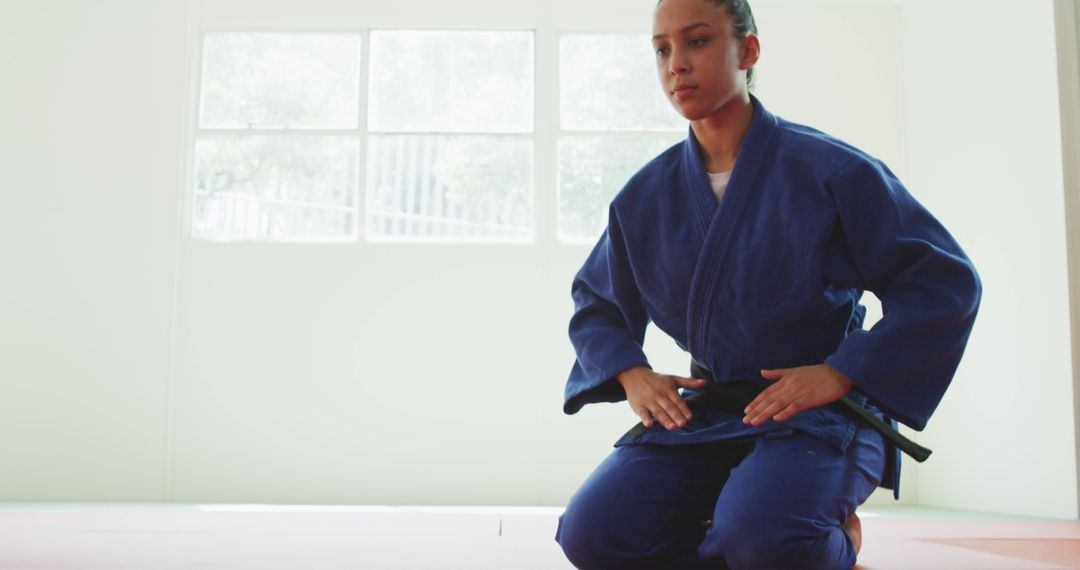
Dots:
(682, 91)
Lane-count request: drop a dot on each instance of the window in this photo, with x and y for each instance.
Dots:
(276, 152)
(614, 118)
(436, 141)
(451, 149)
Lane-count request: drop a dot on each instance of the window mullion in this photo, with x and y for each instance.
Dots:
(546, 137)
(362, 186)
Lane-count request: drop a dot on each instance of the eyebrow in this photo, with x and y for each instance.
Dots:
(693, 26)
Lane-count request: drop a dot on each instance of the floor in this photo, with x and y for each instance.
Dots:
(85, 536)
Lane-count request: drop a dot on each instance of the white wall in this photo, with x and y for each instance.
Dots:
(89, 151)
(985, 147)
(140, 365)
(1067, 15)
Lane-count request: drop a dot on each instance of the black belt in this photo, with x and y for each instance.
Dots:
(733, 397)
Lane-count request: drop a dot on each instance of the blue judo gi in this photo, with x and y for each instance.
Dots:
(769, 277)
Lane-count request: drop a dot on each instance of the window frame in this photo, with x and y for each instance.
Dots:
(546, 134)
(365, 237)
(196, 132)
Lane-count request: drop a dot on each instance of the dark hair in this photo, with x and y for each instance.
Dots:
(742, 23)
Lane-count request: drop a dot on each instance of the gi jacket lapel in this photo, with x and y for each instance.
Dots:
(718, 221)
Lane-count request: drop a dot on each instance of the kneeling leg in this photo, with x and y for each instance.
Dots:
(785, 505)
(644, 505)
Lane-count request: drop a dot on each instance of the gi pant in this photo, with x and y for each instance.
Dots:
(775, 503)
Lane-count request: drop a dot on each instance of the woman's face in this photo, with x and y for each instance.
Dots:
(701, 64)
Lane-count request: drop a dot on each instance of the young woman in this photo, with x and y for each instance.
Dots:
(750, 244)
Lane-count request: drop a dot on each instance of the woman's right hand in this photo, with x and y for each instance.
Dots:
(653, 395)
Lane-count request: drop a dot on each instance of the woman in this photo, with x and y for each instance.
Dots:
(750, 244)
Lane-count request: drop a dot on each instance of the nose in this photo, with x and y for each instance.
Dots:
(678, 64)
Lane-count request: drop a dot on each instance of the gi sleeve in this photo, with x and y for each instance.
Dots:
(929, 292)
(608, 325)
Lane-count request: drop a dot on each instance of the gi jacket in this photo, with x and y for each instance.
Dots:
(771, 277)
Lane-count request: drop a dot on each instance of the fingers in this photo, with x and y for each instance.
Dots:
(769, 403)
(652, 410)
(765, 398)
(794, 390)
(773, 374)
(658, 398)
(778, 411)
(689, 382)
(670, 414)
(787, 413)
(642, 412)
(763, 414)
(682, 411)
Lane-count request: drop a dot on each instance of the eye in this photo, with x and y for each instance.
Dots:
(662, 50)
(697, 42)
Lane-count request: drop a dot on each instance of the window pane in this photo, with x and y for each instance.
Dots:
(451, 82)
(608, 82)
(279, 188)
(280, 80)
(592, 170)
(433, 188)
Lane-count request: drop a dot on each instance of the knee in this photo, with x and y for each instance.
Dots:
(756, 552)
(591, 543)
(573, 542)
(748, 544)
(581, 544)
(584, 542)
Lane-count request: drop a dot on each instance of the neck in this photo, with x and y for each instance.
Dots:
(721, 134)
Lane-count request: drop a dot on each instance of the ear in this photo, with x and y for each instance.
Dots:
(751, 51)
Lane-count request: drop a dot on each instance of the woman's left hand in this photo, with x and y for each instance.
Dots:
(795, 390)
